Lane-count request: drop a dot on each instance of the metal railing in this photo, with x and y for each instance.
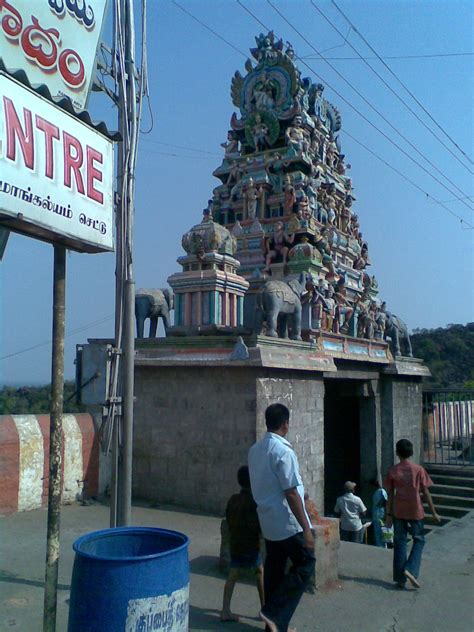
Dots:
(448, 427)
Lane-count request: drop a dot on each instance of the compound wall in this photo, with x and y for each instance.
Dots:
(24, 460)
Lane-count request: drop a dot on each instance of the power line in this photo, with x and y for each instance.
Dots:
(400, 81)
(369, 150)
(427, 56)
(207, 27)
(469, 197)
(254, 16)
(200, 151)
(417, 186)
(387, 85)
(373, 153)
(380, 114)
(359, 57)
(71, 333)
(172, 155)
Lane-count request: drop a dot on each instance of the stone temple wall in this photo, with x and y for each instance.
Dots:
(194, 426)
(402, 403)
(192, 432)
(305, 400)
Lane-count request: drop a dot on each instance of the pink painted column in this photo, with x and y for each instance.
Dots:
(187, 308)
(198, 308)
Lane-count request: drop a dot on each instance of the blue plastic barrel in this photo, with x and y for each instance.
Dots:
(130, 579)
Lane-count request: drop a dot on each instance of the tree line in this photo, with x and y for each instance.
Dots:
(449, 354)
(36, 400)
(447, 351)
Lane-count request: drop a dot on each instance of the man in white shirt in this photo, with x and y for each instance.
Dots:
(278, 490)
(350, 508)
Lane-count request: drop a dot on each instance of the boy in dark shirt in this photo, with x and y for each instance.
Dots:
(244, 530)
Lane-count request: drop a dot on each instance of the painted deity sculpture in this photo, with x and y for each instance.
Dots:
(260, 133)
(296, 138)
(264, 93)
(344, 309)
(289, 198)
(277, 245)
(251, 196)
(231, 146)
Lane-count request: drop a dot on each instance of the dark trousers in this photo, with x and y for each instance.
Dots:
(352, 536)
(283, 591)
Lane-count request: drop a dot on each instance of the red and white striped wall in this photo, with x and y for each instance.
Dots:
(24, 460)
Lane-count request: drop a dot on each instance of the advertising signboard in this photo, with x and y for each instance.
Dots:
(54, 42)
(56, 172)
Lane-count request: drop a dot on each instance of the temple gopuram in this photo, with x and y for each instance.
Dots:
(287, 199)
(274, 302)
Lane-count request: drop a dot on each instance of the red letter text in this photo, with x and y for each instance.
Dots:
(72, 162)
(50, 132)
(14, 129)
(94, 174)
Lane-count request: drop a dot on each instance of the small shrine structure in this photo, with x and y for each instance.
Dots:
(275, 303)
(209, 294)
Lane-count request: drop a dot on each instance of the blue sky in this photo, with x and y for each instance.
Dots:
(421, 254)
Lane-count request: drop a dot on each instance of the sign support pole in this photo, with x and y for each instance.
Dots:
(55, 441)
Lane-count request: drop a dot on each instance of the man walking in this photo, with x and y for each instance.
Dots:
(404, 484)
(278, 490)
(350, 507)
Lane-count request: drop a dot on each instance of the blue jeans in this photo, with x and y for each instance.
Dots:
(400, 562)
(283, 591)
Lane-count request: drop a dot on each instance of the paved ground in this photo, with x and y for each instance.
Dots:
(366, 600)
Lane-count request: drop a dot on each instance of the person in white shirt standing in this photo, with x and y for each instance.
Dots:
(350, 508)
(278, 490)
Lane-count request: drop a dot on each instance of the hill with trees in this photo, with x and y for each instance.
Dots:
(449, 354)
(35, 400)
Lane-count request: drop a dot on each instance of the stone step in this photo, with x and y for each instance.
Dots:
(455, 501)
(458, 481)
(449, 511)
(429, 521)
(451, 470)
(431, 528)
(452, 490)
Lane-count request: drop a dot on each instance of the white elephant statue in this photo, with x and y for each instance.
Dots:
(152, 304)
(280, 306)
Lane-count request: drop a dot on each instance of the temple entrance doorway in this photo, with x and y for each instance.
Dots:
(341, 438)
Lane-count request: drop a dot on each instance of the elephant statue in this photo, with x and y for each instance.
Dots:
(397, 331)
(152, 304)
(280, 305)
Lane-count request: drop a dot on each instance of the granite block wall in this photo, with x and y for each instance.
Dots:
(304, 396)
(370, 438)
(194, 426)
(401, 407)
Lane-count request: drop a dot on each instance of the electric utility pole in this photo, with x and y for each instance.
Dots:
(125, 285)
